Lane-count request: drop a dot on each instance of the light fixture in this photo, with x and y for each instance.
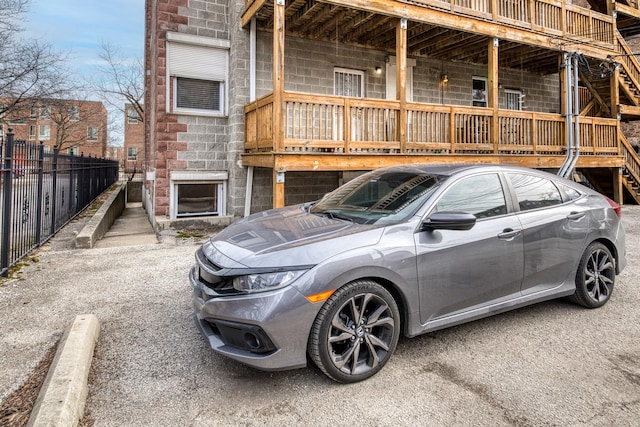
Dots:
(378, 70)
(444, 78)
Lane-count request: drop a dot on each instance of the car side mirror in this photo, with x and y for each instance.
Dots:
(449, 221)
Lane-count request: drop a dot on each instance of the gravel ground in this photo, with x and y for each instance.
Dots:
(549, 364)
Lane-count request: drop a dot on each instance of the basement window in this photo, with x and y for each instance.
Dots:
(196, 194)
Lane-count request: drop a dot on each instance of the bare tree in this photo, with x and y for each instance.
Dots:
(30, 69)
(122, 79)
(10, 10)
(77, 122)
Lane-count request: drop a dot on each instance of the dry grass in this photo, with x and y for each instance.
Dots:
(16, 408)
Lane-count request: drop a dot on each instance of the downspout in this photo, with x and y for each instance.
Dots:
(568, 113)
(576, 115)
(252, 97)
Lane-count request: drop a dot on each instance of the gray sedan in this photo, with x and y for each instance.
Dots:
(408, 249)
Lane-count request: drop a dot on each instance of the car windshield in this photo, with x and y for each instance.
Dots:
(379, 197)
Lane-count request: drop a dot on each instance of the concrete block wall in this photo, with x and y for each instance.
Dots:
(302, 187)
(309, 68)
(299, 187)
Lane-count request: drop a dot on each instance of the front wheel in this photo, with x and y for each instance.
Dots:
(595, 277)
(355, 332)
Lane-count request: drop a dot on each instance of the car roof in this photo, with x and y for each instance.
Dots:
(448, 169)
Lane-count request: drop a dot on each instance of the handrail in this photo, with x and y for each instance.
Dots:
(631, 158)
(628, 60)
(549, 16)
(336, 124)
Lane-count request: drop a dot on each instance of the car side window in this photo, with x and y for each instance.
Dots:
(570, 193)
(480, 195)
(534, 192)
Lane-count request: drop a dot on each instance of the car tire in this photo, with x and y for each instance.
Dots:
(355, 332)
(595, 277)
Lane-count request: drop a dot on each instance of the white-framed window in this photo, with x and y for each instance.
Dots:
(33, 111)
(45, 132)
(132, 116)
(348, 82)
(198, 194)
(46, 149)
(45, 112)
(132, 153)
(92, 133)
(74, 113)
(513, 99)
(72, 151)
(479, 91)
(32, 132)
(198, 69)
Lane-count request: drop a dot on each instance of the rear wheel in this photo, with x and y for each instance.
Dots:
(355, 332)
(595, 277)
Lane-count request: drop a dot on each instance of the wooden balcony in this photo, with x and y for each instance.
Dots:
(340, 133)
(551, 25)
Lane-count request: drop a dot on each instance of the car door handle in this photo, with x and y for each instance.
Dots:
(574, 216)
(508, 234)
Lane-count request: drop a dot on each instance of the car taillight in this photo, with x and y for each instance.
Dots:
(616, 207)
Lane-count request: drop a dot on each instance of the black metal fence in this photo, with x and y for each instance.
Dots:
(41, 191)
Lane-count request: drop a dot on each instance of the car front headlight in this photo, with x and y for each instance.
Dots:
(266, 281)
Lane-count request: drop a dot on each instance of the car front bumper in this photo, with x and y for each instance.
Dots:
(265, 330)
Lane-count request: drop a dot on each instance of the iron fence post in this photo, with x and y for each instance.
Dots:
(40, 184)
(54, 192)
(6, 208)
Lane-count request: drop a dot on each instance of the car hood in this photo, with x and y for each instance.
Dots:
(286, 237)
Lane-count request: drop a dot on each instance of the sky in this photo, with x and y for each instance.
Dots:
(79, 26)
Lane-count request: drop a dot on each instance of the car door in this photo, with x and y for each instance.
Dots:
(463, 270)
(554, 232)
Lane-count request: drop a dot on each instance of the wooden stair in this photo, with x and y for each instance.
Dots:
(631, 171)
(600, 178)
(596, 76)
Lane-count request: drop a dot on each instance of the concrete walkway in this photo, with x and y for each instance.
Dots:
(62, 398)
(131, 228)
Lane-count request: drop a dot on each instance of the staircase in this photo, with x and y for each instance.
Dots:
(597, 79)
(631, 172)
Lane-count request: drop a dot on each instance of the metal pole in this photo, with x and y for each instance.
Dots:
(568, 114)
(576, 115)
(40, 182)
(54, 183)
(6, 208)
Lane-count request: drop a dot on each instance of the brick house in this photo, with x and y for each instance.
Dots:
(133, 136)
(74, 126)
(239, 120)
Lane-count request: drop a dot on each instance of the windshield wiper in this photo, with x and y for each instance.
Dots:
(334, 215)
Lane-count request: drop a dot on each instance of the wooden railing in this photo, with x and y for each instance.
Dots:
(549, 16)
(554, 17)
(334, 124)
(628, 61)
(632, 160)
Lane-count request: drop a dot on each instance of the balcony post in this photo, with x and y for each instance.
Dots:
(401, 80)
(278, 96)
(493, 91)
(278, 74)
(615, 91)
